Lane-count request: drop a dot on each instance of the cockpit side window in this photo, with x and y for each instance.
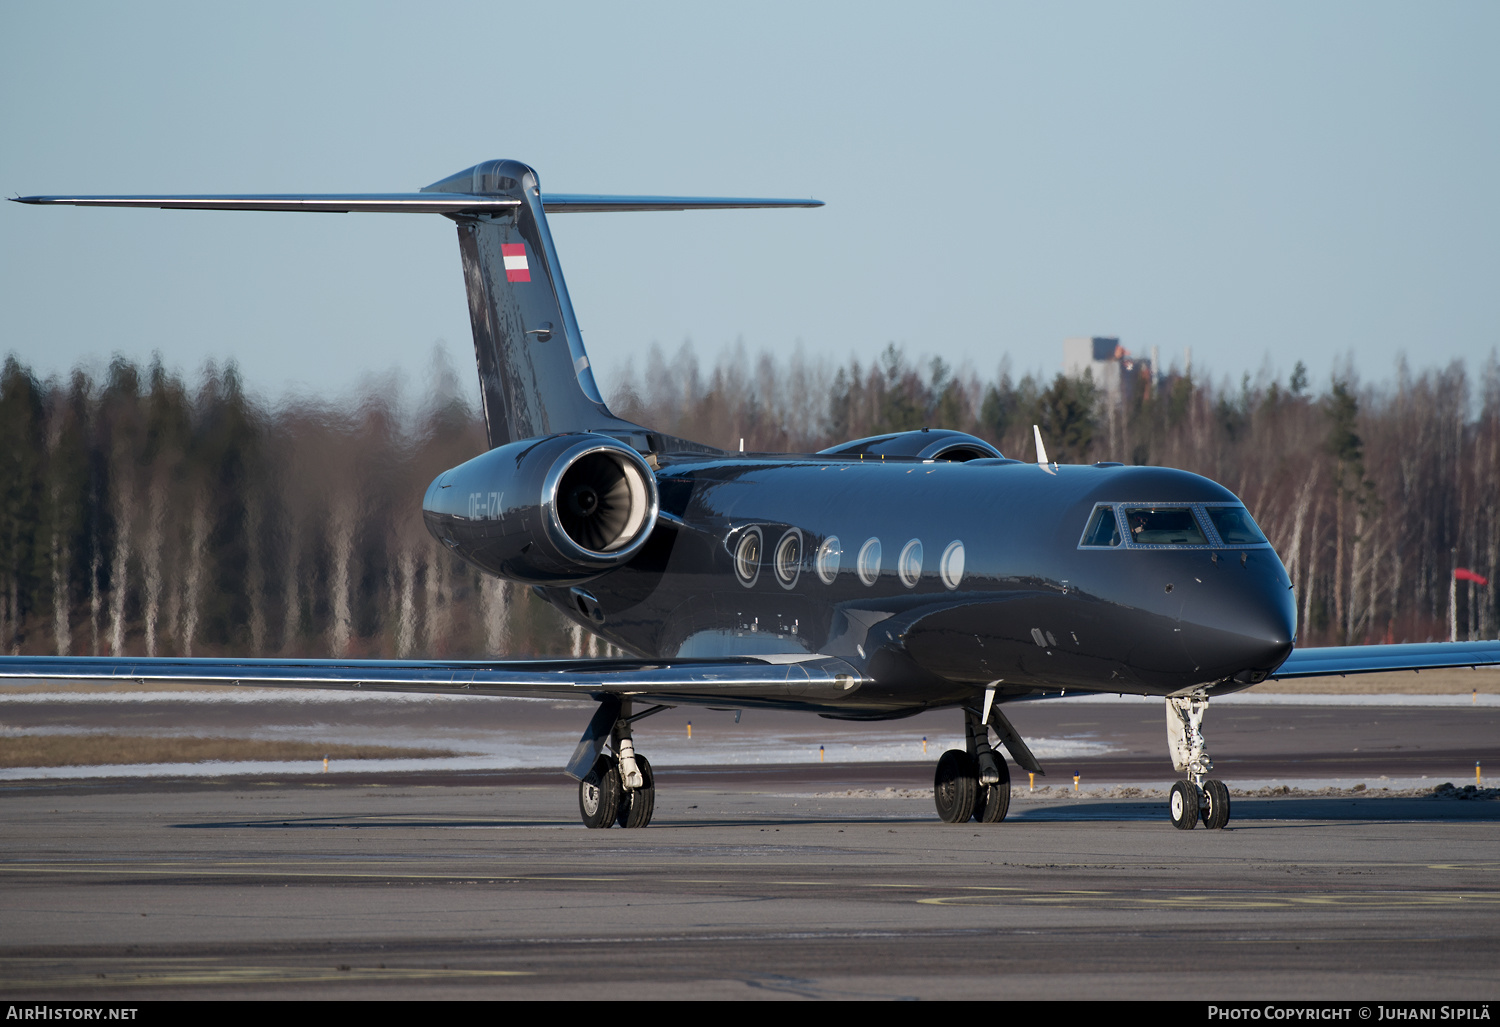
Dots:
(1164, 526)
(1103, 529)
(1235, 525)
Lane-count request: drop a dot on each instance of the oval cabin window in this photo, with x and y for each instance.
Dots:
(869, 561)
(830, 553)
(909, 566)
(951, 567)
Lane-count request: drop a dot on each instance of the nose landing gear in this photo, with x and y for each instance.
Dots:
(1200, 797)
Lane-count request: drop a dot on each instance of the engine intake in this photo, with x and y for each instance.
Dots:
(602, 499)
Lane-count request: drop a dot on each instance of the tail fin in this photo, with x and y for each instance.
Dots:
(533, 372)
(534, 375)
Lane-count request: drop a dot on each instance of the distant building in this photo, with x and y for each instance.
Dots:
(1110, 364)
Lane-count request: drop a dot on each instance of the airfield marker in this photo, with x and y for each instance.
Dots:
(1075, 782)
(1033, 781)
(690, 729)
(325, 764)
(820, 755)
(924, 745)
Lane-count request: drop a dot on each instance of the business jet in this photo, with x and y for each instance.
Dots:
(873, 580)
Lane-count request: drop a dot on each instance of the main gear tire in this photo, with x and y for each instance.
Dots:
(599, 794)
(1183, 805)
(955, 786)
(637, 804)
(992, 802)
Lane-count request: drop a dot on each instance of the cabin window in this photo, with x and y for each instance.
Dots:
(909, 566)
(1103, 529)
(747, 557)
(829, 555)
(951, 567)
(789, 558)
(1235, 526)
(1164, 526)
(869, 561)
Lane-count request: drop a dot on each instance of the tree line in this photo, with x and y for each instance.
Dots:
(143, 514)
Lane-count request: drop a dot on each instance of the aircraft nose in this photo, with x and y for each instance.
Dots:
(1267, 629)
(1245, 625)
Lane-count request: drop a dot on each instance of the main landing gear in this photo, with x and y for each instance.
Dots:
(973, 783)
(614, 787)
(604, 801)
(1200, 797)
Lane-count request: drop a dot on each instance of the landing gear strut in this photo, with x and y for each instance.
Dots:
(618, 786)
(637, 804)
(1199, 797)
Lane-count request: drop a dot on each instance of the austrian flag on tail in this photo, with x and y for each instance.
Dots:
(516, 268)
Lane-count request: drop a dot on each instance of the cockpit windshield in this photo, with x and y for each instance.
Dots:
(1235, 526)
(1170, 525)
(1164, 526)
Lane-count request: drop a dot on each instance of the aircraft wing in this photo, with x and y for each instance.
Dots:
(746, 680)
(1367, 659)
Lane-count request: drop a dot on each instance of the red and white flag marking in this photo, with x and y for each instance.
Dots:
(516, 268)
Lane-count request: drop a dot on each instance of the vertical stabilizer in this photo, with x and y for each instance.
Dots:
(534, 375)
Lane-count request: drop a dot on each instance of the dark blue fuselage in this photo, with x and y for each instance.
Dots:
(1029, 607)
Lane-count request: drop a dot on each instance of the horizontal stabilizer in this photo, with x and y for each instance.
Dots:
(328, 203)
(1368, 659)
(749, 679)
(534, 374)
(567, 203)
(415, 203)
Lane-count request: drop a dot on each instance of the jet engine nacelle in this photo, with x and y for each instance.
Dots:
(554, 510)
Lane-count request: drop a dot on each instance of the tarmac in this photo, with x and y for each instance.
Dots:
(806, 874)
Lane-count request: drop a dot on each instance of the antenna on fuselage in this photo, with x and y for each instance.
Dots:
(1041, 450)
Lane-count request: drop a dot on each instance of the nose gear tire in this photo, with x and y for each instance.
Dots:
(1183, 805)
(1214, 809)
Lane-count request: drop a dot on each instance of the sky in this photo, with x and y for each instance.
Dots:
(1259, 183)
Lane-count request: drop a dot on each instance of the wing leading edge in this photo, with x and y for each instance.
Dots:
(750, 680)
